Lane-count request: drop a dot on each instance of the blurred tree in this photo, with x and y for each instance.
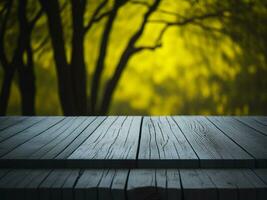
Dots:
(22, 59)
(241, 21)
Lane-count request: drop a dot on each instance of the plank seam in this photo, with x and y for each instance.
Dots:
(234, 141)
(33, 137)
(79, 135)
(14, 123)
(247, 125)
(187, 141)
(264, 181)
(21, 130)
(139, 141)
(258, 121)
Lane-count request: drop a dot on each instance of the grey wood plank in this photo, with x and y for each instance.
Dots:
(3, 172)
(154, 184)
(104, 191)
(142, 185)
(55, 147)
(161, 183)
(3, 118)
(28, 186)
(235, 183)
(19, 127)
(87, 184)
(249, 139)
(69, 184)
(197, 185)
(174, 191)
(213, 148)
(112, 185)
(262, 120)
(13, 142)
(259, 186)
(81, 138)
(51, 187)
(113, 144)
(262, 174)
(119, 184)
(249, 121)
(9, 182)
(163, 145)
(29, 147)
(10, 121)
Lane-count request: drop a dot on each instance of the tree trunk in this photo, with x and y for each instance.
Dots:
(126, 55)
(101, 57)
(78, 70)
(66, 94)
(5, 90)
(27, 84)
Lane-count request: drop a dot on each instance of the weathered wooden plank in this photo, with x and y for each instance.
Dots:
(119, 184)
(237, 184)
(162, 145)
(31, 146)
(29, 185)
(6, 122)
(18, 127)
(249, 121)
(197, 185)
(9, 182)
(262, 174)
(52, 186)
(249, 139)
(69, 184)
(174, 191)
(150, 184)
(63, 141)
(3, 172)
(13, 142)
(262, 120)
(114, 143)
(213, 148)
(87, 185)
(142, 185)
(104, 191)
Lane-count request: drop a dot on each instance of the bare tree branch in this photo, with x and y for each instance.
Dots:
(95, 16)
(140, 48)
(3, 57)
(186, 21)
(143, 3)
(36, 18)
(98, 18)
(129, 51)
(42, 43)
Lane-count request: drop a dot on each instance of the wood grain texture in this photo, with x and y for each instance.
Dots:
(133, 142)
(197, 185)
(162, 145)
(112, 144)
(237, 184)
(262, 120)
(18, 127)
(249, 139)
(251, 122)
(213, 148)
(26, 135)
(6, 122)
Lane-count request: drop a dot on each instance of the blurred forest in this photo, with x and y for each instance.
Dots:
(133, 57)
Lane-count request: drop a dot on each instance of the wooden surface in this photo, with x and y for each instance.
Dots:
(133, 142)
(135, 184)
(125, 157)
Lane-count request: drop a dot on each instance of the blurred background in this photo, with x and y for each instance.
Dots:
(133, 57)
